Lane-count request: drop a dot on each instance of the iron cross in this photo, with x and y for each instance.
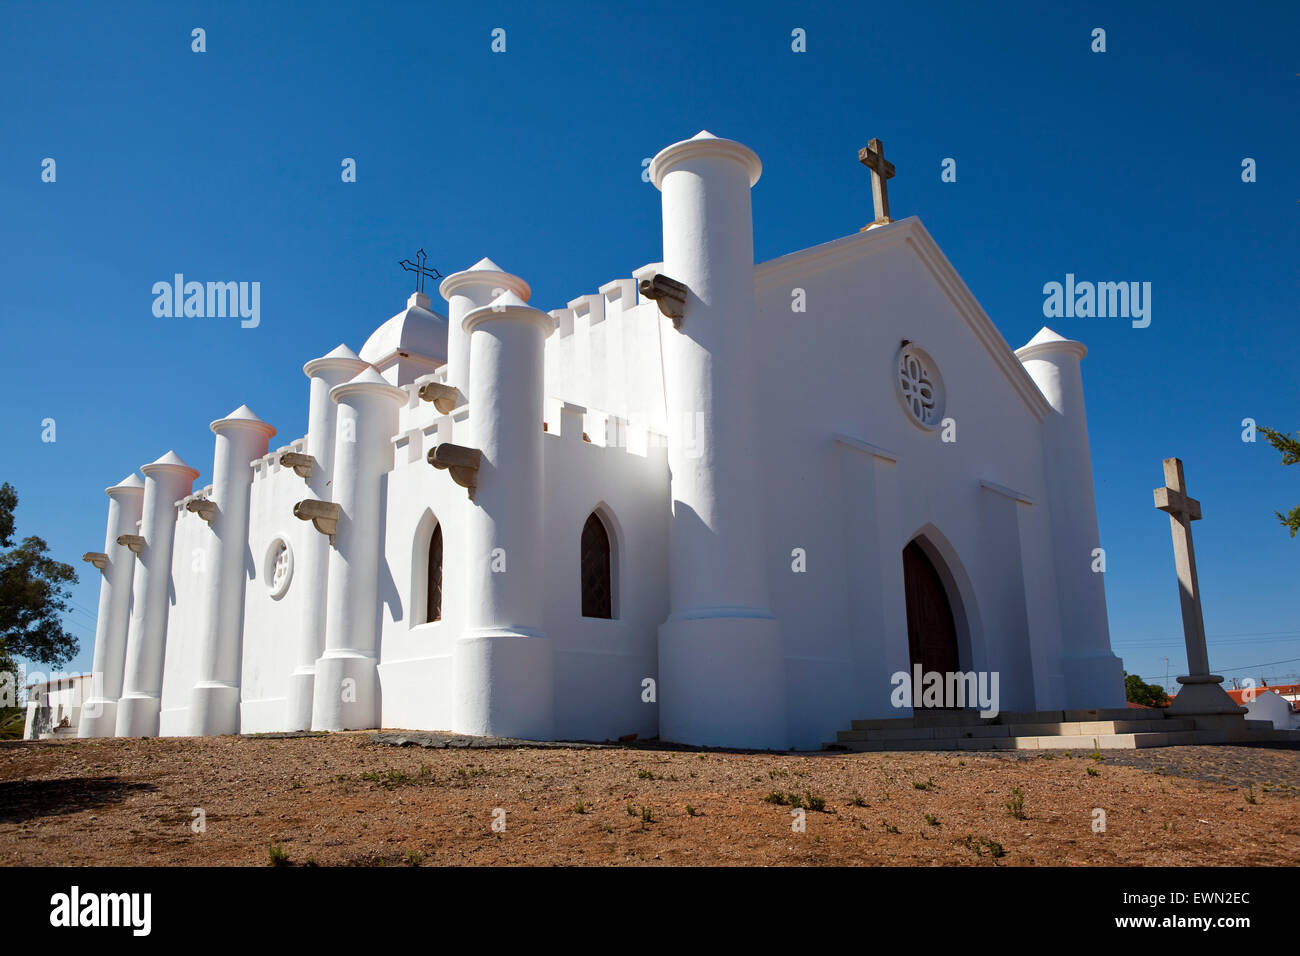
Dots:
(418, 267)
(873, 157)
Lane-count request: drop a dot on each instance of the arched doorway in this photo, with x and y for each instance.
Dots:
(931, 628)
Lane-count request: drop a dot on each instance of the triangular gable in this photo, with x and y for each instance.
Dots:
(913, 234)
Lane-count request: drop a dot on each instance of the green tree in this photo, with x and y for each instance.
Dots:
(1290, 449)
(33, 596)
(1139, 691)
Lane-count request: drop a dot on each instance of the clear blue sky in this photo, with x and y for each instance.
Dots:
(225, 165)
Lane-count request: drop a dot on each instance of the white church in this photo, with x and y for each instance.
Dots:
(714, 502)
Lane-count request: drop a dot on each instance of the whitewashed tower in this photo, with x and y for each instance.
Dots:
(346, 691)
(331, 369)
(99, 712)
(721, 653)
(1094, 676)
(241, 437)
(465, 291)
(502, 663)
(166, 481)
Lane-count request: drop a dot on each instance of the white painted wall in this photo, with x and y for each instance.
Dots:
(271, 623)
(192, 575)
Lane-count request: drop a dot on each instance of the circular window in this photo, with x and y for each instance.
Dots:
(920, 386)
(278, 568)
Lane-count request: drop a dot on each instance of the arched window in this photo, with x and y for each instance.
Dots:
(433, 589)
(597, 570)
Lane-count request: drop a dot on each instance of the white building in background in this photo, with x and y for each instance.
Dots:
(1277, 704)
(712, 501)
(54, 706)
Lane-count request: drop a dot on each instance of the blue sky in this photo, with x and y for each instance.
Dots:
(225, 165)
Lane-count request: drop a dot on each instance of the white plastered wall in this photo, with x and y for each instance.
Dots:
(832, 370)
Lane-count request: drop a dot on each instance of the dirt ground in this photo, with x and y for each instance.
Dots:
(344, 799)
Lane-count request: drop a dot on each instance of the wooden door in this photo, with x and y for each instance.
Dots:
(931, 632)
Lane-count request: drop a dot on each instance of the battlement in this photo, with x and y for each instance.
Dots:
(610, 301)
(269, 464)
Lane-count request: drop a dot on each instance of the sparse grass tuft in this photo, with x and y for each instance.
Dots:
(980, 845)
(277, 855)
(1016, 805)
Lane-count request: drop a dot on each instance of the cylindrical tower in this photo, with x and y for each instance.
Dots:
(329, 370)
(465, 291)
(214, 700)
(166, 481)
(99, 712)
(502, 663)
(1094, 675)
(346, 692)
(721, 653)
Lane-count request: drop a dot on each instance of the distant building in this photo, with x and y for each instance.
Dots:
(1278, 704)
(54, 706)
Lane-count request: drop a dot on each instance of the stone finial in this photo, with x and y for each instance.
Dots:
(205, 508)
(300, 462)
(133, 541)
(460, 462)
(670, 294)
(324, 515)
(444, 397)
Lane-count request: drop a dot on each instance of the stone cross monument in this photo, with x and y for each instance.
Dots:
(1201, 693)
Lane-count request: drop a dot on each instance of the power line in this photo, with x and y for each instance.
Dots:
(1248, 667)
(1255, 637)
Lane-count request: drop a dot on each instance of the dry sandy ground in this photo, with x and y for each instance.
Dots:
(342, 799)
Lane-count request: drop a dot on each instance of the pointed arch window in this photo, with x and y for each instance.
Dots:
(433, 588)
(597, 570)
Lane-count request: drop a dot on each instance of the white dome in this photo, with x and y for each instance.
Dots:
(416, 333)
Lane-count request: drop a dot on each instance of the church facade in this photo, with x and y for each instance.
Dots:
(715, 502)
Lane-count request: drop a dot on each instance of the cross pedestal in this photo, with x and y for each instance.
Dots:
(1201, 693)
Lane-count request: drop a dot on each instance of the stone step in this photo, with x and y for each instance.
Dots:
(1080, 742)
(948, 718)
(1072, 729)
(1114, 713)
(973, 718)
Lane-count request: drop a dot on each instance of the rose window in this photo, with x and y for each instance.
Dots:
(920, 386)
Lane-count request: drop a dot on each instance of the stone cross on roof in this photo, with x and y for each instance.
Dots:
(873, 157)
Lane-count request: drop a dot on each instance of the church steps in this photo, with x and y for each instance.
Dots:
(1112, 729)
